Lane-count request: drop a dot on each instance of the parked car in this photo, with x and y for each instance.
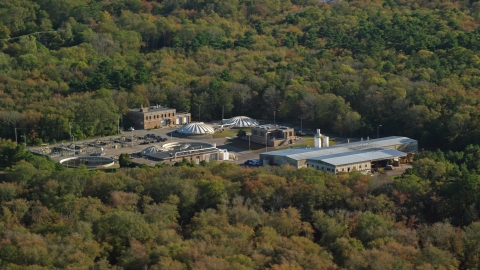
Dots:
(255, 162)
(389, 167)
(131, 129)
(247, 162)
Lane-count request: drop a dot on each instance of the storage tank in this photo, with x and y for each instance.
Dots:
(241, 122)
(197, 128)
(325, 141)
(318, 139)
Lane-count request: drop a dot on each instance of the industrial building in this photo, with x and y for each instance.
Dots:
(272, 135)
(360, 160)
(298, 156)
(156, 117)
(177, 151)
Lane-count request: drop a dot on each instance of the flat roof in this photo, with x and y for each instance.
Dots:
(152, 109)
(171, 154)
(359, 156)
(271, 127)
(306, 153)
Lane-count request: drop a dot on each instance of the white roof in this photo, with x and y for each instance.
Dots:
(307, 153)
(198, 128)
(151, 150)
(358, 156)
(241, 121)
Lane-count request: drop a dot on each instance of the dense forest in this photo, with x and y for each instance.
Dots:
(219, 216)
(76, 66)
(343, 66)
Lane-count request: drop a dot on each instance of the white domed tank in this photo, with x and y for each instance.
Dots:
(241, 122)
(198, 128)
(152, 150)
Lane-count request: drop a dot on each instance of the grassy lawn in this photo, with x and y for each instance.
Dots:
(255, 147)
(307, 141)
(243, 144)
(230, 133)
(226, 133)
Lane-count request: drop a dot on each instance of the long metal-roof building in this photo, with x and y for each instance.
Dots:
(298, 156)
(359, 160)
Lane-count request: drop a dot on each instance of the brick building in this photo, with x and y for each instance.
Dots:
(156, 117)
(274, 134)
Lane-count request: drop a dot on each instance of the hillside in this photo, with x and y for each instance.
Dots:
(222, 216)
(344, 66)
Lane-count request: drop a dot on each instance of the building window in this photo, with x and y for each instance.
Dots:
(323, 168)
(343, 169)
(317, 167)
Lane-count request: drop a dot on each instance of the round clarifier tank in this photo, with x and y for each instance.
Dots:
(91, 162)
(186, 146)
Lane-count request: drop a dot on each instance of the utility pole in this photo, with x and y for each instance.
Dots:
(301, 124)
(266, 141)
(249, 134)
(274, 111)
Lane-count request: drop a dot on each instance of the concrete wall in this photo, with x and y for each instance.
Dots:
(360, 166)
(317, 165)
(195, 157)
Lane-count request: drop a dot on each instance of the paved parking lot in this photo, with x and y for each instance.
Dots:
(241, 154)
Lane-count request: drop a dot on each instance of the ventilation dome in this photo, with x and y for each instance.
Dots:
(152, 150)
(198, 128)
(241, 122)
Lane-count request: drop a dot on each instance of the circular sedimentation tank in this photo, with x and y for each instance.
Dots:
(91, 162)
